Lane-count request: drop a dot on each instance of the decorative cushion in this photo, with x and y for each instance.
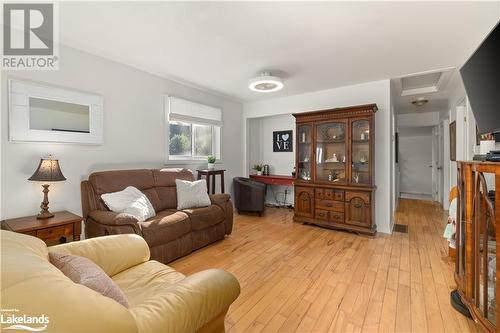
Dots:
(83, 271)
(192, 194)
(130, 201)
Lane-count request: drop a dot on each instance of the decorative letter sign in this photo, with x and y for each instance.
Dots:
(283, 141)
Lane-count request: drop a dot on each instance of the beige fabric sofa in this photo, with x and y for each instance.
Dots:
(160, 298)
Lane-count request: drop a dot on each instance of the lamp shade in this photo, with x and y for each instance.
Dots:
(48, 171)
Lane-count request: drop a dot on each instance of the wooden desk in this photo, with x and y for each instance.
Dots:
(274, 179)
(59, 227)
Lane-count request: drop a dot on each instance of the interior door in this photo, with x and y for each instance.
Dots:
(440, 166)
(434, 164)
(415, 161)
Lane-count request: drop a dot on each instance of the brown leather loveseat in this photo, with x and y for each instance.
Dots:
(171, 233)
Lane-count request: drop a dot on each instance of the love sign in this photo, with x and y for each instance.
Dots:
(283, 141)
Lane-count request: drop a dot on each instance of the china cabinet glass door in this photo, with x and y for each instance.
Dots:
(304, 151)
(331, 155)
(360, 152)
(486, 266)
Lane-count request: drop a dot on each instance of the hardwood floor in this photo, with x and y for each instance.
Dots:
(300, 278)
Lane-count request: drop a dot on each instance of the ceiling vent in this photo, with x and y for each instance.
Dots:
(424, 83)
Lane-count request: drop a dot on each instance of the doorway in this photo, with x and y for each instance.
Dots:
(416, 162)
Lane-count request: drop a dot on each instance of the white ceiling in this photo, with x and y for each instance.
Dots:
(437, 101)
(312, 45)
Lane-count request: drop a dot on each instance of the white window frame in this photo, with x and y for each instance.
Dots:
(216, 134)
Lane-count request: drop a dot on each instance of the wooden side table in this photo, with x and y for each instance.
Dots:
(64, 224)
(211, 174)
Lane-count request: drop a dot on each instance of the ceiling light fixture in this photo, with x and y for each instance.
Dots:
(265, 83)
(421, 101)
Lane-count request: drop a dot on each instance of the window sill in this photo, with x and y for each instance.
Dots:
(189, 162)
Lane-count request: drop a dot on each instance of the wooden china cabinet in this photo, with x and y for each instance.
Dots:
(334, 184)
(476, 267)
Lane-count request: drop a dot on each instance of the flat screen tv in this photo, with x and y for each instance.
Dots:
(481, 77)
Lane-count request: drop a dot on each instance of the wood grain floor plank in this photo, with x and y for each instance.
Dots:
(301, 278)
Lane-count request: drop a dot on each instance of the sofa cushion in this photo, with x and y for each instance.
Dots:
(192, 194)
(130, 201)
(83, 271)
(144, 281)
(202, 218)
(117, 180)
(166, 226)
(164, 185)
(166, 177)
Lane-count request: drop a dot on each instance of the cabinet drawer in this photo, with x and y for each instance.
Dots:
(336, 206)
(329, 194)
(56, 232)
(365, 196)
(337, 217)
(321, 214)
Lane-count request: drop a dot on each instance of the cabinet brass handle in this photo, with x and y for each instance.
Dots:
(336, 217)
(329, 204)
(358, 205)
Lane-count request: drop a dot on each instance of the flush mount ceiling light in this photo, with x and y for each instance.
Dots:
(420, 101)
(265, 83)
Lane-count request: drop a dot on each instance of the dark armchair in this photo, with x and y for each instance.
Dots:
(249, 195)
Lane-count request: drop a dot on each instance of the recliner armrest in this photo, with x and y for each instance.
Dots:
(189, 304)
(219, 199)
(113, 253)
(112, 218)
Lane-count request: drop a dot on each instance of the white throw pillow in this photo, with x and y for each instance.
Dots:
(192, 194)
(130, 201)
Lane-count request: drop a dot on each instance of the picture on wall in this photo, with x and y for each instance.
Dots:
(283, 141)
(453, 141)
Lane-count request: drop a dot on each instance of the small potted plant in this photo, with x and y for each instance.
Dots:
(211, 162)
(258, 168)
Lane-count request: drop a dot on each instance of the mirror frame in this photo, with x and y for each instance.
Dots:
(19, 113)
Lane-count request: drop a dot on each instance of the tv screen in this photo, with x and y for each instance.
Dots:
(481, 77)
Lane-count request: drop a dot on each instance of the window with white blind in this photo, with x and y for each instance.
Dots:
(193, 130)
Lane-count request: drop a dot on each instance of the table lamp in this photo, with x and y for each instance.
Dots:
(48, 171)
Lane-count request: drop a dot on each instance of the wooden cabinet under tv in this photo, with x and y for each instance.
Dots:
(334, 185)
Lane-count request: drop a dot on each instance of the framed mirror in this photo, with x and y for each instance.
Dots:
(42, 113)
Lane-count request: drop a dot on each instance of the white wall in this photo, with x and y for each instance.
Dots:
(415, 153)
(418, 119)
(260, 147)
(371, 92)
(133, 131)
